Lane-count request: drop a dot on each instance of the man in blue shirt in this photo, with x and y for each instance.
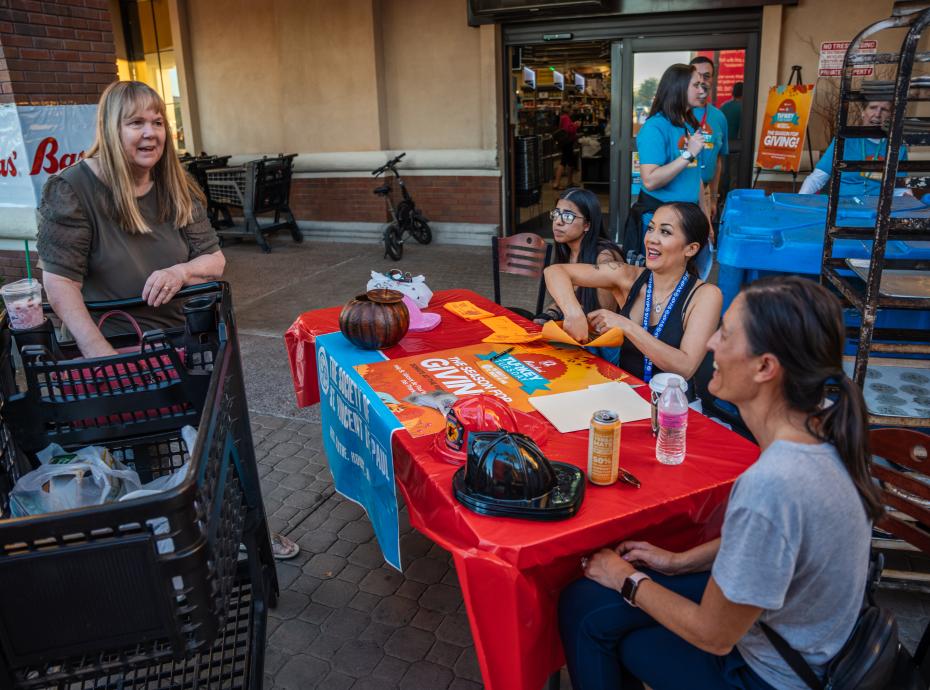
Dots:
(874, 114)
(716, 139)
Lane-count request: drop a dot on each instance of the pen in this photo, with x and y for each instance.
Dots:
(501, 354)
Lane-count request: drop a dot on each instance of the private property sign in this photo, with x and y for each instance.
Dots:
(832, 54)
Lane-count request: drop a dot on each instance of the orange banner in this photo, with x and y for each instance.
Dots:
(784, 127)
(418, 389)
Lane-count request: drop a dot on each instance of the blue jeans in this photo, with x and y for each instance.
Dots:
(610, 645)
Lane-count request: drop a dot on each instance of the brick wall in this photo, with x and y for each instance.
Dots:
(55, 52)
(13, 265)
(443, 199)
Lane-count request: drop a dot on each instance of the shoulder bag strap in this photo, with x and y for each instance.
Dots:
(792, 657)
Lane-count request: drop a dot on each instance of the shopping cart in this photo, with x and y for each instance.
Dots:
(259, 186)
(151, 592)
(217, 212)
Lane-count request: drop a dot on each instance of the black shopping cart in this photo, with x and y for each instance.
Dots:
(259, 186)
(153, 592)
(218, 212)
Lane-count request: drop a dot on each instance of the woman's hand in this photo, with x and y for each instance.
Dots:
(696, 143)
(576, 325)
(645, 554)
(162, 285)
(607, 568)
(601, 320)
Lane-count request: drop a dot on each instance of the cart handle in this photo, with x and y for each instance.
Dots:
(189, 291)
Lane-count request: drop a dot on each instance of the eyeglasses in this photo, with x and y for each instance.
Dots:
(568, 217)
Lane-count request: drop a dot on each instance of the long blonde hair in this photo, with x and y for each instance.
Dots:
(176, 192)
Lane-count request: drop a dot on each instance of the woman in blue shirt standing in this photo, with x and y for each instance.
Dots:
(671, 147)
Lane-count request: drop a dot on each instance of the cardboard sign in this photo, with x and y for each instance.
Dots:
(784, 127)
(832, 54)
(419, 389)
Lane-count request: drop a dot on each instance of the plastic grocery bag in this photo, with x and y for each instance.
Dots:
(414, 287)
(86, 477)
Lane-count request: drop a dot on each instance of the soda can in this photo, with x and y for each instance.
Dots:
(604, 448)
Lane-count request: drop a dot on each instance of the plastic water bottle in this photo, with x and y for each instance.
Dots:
(673, 423)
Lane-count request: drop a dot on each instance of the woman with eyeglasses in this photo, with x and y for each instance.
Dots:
(580, 237)
(667, 315)
(670, 145)
(793, 553)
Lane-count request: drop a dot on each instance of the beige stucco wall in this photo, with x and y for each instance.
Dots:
(285, 75)
(804, 27)
(357, 75)
(432, 75)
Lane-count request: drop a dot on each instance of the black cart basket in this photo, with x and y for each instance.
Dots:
(152, 592)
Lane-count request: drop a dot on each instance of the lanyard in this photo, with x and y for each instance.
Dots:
(700, 128)
(647, 309)
(878, 148)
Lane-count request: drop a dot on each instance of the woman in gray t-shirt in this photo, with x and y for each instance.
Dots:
(794, 547)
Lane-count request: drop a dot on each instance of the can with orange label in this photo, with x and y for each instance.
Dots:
(604, 447)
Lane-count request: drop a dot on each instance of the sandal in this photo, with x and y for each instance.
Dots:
(283, 548)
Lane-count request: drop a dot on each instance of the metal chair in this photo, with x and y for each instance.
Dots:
(905, 528)
(525, 254)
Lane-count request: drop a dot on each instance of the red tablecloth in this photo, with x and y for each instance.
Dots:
(511, 571)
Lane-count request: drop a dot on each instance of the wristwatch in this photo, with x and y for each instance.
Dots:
(631, 586)
(687, 155)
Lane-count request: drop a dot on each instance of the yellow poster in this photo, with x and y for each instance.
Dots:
(784, 127)
(419, 389)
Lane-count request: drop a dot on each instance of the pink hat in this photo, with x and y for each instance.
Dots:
(420, 320)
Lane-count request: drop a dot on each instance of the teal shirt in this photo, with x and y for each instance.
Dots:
(733, 111)
(659, 142)
(859, 149)
(716, 139)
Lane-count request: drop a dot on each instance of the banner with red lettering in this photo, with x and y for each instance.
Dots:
(38, 141)
(784, 127)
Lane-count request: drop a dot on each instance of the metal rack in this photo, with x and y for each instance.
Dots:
(259, 186)
(864, 288)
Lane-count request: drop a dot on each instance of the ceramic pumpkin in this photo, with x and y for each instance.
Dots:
(375, 320)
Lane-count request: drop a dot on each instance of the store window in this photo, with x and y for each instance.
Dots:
(149, 55)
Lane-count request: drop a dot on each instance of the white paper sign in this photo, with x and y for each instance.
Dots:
(37, 141)
(832, 54)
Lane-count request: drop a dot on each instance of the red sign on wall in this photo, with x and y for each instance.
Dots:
(731, 68)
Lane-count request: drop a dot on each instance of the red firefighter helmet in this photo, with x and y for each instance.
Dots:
(482, 412)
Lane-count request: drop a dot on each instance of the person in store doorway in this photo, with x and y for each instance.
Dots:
(565, 136)
(127, 221)
(671, 152)
(733, 111)
(716, 147)
(716, 136)
(858, 184)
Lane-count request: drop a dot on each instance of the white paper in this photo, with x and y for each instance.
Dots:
(572, 411)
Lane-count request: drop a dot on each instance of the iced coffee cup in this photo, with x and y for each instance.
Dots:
(657, 385)
(23, 300)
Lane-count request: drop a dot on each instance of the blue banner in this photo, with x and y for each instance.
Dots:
(357, 430)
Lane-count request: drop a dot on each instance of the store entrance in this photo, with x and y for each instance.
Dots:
(553, 84)
(606, 88)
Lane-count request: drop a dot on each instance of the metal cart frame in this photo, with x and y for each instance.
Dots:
(259, 186)
(153, 591)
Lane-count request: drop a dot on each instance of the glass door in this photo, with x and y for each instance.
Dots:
(640, 63)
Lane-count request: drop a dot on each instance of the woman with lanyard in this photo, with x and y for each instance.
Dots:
(875, 114)
(671, 149)
(668, 313)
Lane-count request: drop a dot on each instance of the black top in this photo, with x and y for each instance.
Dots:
(631, 359)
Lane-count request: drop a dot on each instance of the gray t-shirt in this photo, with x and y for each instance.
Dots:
(795, 542)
